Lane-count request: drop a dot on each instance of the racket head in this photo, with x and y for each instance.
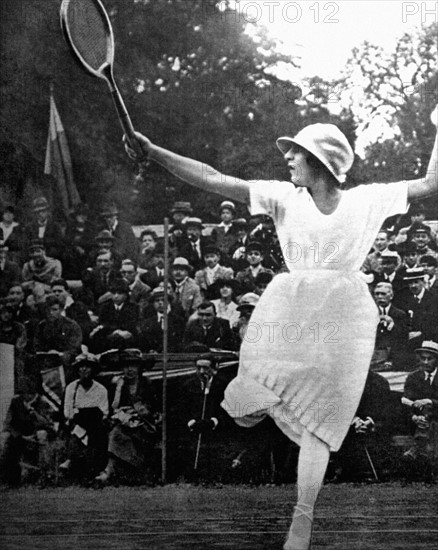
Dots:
(88, 32)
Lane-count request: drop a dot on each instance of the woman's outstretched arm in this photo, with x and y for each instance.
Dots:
(193, 172)
(427, 186)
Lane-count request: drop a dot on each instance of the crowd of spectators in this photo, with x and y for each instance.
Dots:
(82, 288)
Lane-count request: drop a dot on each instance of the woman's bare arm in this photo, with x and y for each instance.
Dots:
(194, 172)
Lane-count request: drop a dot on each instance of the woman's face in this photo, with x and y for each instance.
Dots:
(226, 291)
(8, 217)
(300, 172)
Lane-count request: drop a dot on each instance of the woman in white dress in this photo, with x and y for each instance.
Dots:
(307, 351)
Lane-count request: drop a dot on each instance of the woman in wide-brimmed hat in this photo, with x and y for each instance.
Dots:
(314, 328)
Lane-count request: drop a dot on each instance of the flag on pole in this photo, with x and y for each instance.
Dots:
(58, 160)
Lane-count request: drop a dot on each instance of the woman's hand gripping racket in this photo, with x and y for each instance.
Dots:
(87, 30)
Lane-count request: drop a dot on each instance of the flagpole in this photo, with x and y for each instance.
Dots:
(165, 352)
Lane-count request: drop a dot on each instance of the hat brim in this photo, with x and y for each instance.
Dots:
(427, 349)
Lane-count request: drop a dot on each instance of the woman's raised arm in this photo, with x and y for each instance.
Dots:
(193, 172)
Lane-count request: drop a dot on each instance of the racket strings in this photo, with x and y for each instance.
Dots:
(88, 33)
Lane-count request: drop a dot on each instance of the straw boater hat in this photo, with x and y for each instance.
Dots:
(193, 221)
(248, 301)
(182, 262)
(414, 273)
(227, 204)
(87, 360)
(327, 143)
(181, 206)
(391, 256)
(40, 204)
(428, 345)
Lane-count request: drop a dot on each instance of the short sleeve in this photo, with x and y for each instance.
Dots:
(389, 198)
(267, 196)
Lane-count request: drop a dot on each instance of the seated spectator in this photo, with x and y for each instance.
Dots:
(28, 428)
(85, 411)
(104, 243)
(11, 234)
(45, 229)
(261, 281)
(224, 234)
(238, 250)
(213, 270)
(139, 292)
(10, 272)
(23, 313)
(154, 274)
(134, 419)
(58, 334)
(78, 243)
(148, 243)
(421, 397)
(246, 306)
(40, 268)
(392, 332)
(187, 292)
(73, 309)
(421, 235)
(264, 232)
(209, 330)
(429, 264)
(151, 327)
(390, 261)
(417, 216)
(98, 280)
(255, 257)
(118, 320)
(11, 332)
(192, 249)
(177, 234)
(223, 293)
(373, 262)
(125, 241)
(409, 256)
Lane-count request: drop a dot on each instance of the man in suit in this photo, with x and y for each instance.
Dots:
(225, 235)
(118, 320)
(97, 280)
(388, 273)
(210, 330)
(44, 228)
(155, 273)
(125, 242)
(187, 292)
(421, 396)
(373, 260)
(238, 250)
(40, 268)
(139, 292)
(213, 270)
(392, 331)
(429, 264)
(192, 248)
(255, 256)
(421, 235)
(151, 328)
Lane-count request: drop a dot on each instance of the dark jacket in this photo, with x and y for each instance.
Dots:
(219, 335)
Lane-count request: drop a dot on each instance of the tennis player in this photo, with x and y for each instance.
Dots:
(308, 348)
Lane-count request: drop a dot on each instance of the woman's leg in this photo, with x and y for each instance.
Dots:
(312, 465)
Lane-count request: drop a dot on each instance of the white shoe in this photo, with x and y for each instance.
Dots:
(301, 541)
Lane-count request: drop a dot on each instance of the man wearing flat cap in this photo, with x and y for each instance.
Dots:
(421, 235)
(192, 248)
(40, 268)
(125, 242)
(420, 398)
(44, 228)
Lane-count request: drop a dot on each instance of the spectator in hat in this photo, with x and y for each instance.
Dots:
(262, 229)
(45, 229)
(421, 306)
(238, 250)
(40, 268)
(155, 273)
(208, 329)
(9, 270)
(246, 306)
(180, 212)
(192, 248)
(187, 292)
(11, 234)
(148, 243)
(104, 242)
(421, 235)
(224, 234)
(373, 263)
(78, 243)
(417, 216)
(392, 331)
(97, 280)
(86, 408)
(28, 429)
(388, 273)
(151, 327)
(134, 417)
(429, 264)
(213, 269)
(255, 257)
(409, 256)
(223, 294)
(58, 334)
(261, 282)
(420, 398)
(139, 292)
(118, 320)
(125, 242)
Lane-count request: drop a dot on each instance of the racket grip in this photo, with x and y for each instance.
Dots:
(126, 124)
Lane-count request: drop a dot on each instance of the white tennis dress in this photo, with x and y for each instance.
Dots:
(308, 348)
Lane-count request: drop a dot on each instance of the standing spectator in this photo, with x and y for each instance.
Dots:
(148, 243)
(225, 233)
(193, 247)
(40, 268)
(208, 329)
(213, 270)
(134, 420)
(10, 271)
(187, 292)
(45, 229)
(139, 292)
(98, 280)
(125, 242)
(421, 395)
(58, 334)
(85, 410)
(151, 327)
(373, 260)
(78, 243)
(11, 234)
(255, 257)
